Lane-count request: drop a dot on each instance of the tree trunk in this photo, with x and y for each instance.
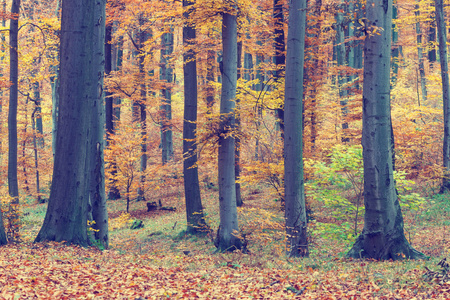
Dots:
(228, 228)
(210, 61)
(54, 84)
(442, 38)
(382, 236)
(295, 209)
(423, 83)
(237, 166)
(113, 192)
(13, 186)
(342, 78)
(280, 58)
(82, 60)
(432, 57)
(395, 48)
(95, 163)
(194, 209)
(141, 107)
(36, 156)
(166, 75)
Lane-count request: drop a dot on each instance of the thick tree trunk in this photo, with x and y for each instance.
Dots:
(166, 75)
(228, 228)
(295, 209)
(81, 92)
(95, 161)
(194, 209)
(13, 186)
(442, 37)
(382, 236)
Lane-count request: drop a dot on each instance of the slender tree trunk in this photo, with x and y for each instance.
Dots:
(237, 166)
(210, 61)
(24, 147)
(54, 83)
(280, 57)
(3, 238)
(295, 209)
(166, 107)
(382, 236)
(423, 85)
(141, 108)
(228, 228)
(82, 40)
(395, 52)
(194, 209)
(342, 78)
(432, 57)
(13, 186)
(117, 67)
(442, 37)
(114, 192)
(36, 156)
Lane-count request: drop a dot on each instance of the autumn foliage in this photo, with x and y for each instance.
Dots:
(159, 260)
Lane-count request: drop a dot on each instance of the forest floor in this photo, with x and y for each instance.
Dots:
(159, 261)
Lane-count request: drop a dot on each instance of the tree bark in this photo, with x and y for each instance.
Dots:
(280, 57)
(141, 107)
(166, 75)
(95, 161)
(443, 58)
(295, 209)
(113, 192)
(81, 92)
(382, 236)
(228, 228)
(194, 209)
(13, 186)
(423, 83)
(237, 166)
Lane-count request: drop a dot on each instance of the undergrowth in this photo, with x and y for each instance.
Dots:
(164, 240)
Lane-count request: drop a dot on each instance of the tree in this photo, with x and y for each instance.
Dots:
(279, 57)
(13, 186)
(442, 38)
(114, 192)
(382, 236)
(295, 210)
(166, 74)
(81, 96)
(194, 208)
(227, 239)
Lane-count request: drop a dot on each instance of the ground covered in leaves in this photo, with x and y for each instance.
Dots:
(159, 261)
(55, 271)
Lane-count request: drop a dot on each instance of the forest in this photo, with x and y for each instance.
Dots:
(224, 149)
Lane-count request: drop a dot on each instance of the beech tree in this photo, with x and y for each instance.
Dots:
(383, 236)
(227, 239)
(81, 100)
(194, 209)
(13, 186)
(442, 38)
(295, 209)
